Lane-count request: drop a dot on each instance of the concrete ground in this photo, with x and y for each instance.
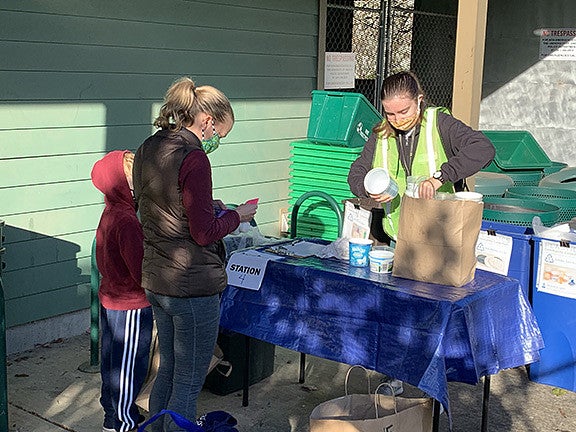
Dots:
(47, 393)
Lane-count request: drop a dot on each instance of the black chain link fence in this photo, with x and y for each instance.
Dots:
(389, 36)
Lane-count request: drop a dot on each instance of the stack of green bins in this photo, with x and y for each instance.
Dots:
(339, 125)
(319, 167)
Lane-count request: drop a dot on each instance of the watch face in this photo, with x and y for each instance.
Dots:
(437, 174)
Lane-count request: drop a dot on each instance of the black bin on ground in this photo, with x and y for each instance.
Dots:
(233, 346)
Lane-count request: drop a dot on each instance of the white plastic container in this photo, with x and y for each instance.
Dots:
(377, 182)
(381, 260)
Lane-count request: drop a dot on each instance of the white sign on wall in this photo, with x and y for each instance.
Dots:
(558, 44)
(339, 70)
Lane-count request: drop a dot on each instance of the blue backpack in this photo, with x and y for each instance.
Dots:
(215, 421)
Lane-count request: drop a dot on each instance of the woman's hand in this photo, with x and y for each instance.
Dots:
(427, 189)
(246, 211)
(381, 198)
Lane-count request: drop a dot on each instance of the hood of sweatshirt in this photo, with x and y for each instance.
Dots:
(109, 178)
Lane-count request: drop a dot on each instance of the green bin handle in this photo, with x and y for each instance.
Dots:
(331, 201)
(293, 230)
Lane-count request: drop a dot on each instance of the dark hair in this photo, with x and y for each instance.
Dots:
(404, 84)
(183, 101)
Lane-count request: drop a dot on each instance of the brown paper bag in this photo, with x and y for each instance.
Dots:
(437, 239)
(357, 413)
(372, 413)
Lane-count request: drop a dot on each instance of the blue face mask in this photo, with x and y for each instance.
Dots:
(212, 143)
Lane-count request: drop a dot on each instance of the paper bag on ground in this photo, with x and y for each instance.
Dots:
(357, 412)
(437, 239)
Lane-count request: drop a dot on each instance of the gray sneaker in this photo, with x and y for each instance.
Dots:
(387, 385)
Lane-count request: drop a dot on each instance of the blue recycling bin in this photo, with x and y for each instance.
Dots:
(554, 304)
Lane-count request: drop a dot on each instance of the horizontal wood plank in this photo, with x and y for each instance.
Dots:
(62, 86)
(47, 304)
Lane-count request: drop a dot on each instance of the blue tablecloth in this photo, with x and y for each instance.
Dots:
(421, 333)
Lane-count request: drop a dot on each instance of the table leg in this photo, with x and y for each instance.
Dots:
(485, 404)
(435, 415)
(302, 367)
(246, 374)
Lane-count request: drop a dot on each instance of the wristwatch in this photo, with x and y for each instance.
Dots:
(438, 176)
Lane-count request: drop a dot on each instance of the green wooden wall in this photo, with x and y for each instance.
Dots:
(79, 79)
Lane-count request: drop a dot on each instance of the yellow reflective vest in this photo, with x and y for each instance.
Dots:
(429, 155)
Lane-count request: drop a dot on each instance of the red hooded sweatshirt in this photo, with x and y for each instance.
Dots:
(119, 238)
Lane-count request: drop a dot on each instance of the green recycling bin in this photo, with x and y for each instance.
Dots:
(341, 118)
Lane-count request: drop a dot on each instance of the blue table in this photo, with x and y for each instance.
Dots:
(423, 334)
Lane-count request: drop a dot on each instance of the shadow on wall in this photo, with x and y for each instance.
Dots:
(43, 277)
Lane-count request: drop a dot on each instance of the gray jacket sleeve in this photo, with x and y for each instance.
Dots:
(468, 150)
(360, 167)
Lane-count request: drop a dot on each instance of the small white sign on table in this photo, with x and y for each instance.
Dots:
(246, 269)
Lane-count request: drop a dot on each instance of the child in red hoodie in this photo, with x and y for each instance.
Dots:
(125, 314)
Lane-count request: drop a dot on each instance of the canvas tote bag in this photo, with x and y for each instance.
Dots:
(372, 413)
(437, 240)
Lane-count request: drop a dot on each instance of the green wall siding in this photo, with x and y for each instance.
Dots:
(79, 79)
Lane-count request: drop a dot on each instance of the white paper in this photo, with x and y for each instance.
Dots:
(339, 70)
(300, 249)
(246, 269)
(558, 44)
(493, 252)
(557, 269)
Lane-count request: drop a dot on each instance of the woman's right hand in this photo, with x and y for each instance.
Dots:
(381, 198)
(246, 211)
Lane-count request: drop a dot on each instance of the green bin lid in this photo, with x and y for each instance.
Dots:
(563, 179)
(519, 211)
(517, 150)
(564, 199)
(492, 184)
(555, 167)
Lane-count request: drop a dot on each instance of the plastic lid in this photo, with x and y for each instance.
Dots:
(564, 179)
(517, 150)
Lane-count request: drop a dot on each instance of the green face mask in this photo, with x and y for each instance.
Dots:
(212, 143)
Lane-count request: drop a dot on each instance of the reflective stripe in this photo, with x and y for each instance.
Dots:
(430, 113)
(126, 391)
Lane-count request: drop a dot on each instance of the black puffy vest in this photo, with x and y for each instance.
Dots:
(174, 264)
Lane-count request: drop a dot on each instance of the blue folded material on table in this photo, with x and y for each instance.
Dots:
(423, 334)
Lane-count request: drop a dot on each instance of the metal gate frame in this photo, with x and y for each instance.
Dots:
(402, 38)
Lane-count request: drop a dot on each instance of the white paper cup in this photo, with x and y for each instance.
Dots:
(469, 196)
(378, 182)
(358, 251)
(381, 260)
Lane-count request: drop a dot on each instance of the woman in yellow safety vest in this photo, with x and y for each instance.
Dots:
(416, 140)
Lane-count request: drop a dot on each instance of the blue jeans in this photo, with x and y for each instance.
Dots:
(187, 333)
